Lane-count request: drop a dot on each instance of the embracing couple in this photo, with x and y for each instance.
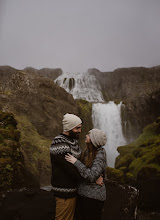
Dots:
(77, 178)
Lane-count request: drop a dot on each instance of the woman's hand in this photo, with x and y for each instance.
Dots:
(99, 181)
(70, 158)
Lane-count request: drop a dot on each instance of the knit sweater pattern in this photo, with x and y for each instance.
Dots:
(88, 187)
(65, 176)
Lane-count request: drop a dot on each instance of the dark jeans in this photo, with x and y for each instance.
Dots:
(88, 209)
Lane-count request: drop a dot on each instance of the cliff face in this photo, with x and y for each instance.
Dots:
(139, 89)
(128, 83)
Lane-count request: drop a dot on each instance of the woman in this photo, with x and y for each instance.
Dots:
(91, 196)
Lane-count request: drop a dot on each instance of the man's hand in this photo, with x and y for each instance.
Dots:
(99, 181)
(70, 158)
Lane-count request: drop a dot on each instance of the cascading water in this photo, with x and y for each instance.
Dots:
(81, 86)
(107, 117)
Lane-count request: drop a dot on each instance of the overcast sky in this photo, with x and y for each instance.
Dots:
(75, 35)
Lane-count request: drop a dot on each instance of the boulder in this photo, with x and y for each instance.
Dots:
(121, 202)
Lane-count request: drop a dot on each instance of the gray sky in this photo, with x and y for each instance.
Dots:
(79, 34)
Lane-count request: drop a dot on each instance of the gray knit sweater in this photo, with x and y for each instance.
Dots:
(88, 187)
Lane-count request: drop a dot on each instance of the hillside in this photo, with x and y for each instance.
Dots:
(38, 106)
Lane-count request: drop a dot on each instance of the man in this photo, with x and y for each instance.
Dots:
(65, 176)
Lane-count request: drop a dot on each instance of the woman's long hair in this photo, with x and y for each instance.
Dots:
(91, 151)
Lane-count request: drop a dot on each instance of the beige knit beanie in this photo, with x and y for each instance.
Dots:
(70, 121)
(98, 137)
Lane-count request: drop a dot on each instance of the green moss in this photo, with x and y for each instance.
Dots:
(136, 165)
(9, 167)
(8, 92)
(5, 151)
(124, 150)
(1, 138)
(7, 119)
(148, 172)
(35, 148)
(115, 175)
(141, 159)
(124, 169)
(4, 162)
(149, 133)
(125, 160)
(136, 152)
(153, 156)
(158, 120)
(11, 158)
(130, 178)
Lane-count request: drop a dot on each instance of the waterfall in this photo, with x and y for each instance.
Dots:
(107, 117)
(81, 86)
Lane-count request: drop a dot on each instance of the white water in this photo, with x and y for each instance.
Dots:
(81, 86)
(107, 117)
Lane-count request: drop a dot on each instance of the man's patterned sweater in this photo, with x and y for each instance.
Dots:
(65, 176)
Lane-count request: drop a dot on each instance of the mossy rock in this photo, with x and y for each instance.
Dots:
(10, 134)
(144, 151)
(5, 151)
(149, 171)
(124, 150)
(115, 175)
(1, 138)
(158, 120)
(35, 149)
(3, 163)
(11, 157)
(13, 144)
(125, 161)
(124, 169)
(141, 159)
(136, 165)
(127, 149)
(7, 120)
(136, 152)
(130, 179)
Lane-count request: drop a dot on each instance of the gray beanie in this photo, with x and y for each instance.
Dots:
(70, 121)
(98, 137)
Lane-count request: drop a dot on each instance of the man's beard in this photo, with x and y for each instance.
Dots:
(74, 135)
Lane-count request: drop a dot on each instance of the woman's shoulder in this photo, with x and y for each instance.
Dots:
(101, 151)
